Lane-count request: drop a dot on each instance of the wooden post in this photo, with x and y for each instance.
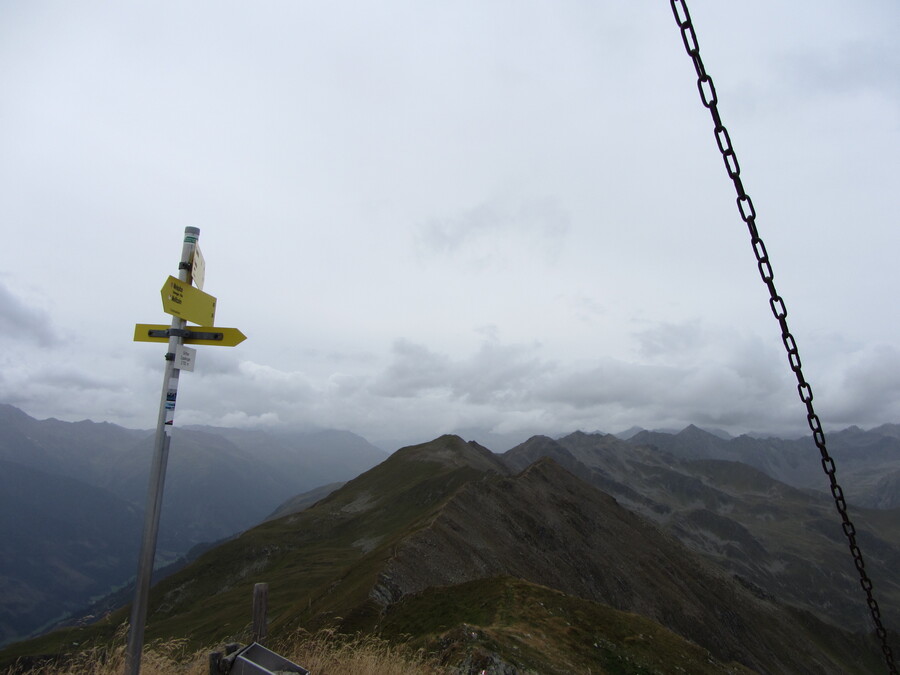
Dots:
(260, 612)
(215, 663)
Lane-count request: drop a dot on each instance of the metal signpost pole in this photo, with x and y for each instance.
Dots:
(158, 472)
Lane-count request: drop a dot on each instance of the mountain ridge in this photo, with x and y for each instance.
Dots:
(593, 572)
(729, 512)
(439, 516)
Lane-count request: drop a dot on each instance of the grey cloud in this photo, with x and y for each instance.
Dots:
(688, 372)
(253, 394)
(867, 391)
(511, 389)
(413, 369)
(668, 339)
(214, 361)
(20, 322)
(742, 386)
(857, 67)
(612, 383)
(587, 309)
(693, 344)
(447, 235)
(56, 385)
(71, 378)
(498, 373)
(481, 233)
(494, 373)
(608, 395)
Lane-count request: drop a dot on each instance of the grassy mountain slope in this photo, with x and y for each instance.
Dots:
(401, 547)
(303, 501)
(321, 563)
(503, 621)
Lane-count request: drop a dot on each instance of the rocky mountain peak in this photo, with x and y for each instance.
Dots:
(693, 431)
(451, 451)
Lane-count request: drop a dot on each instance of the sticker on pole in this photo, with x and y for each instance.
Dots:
(185, 357)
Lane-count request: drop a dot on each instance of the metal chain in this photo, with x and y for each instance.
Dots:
(748, 215)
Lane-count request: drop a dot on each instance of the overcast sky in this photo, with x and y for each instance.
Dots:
(504, 217)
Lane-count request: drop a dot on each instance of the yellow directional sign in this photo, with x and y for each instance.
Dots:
(186, 302)
(197, 335)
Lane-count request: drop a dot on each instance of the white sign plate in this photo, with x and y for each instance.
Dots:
(185, 358)
(198, 268)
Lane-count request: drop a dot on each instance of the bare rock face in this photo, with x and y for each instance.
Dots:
(885, 493)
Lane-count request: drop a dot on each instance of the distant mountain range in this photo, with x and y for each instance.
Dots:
(868, 462)
(72, 498)
(585, 552)
(783, 542)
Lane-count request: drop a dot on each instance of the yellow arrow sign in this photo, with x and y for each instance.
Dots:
(197, 335)
(186, 302)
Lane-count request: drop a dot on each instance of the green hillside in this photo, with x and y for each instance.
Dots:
(505, 620)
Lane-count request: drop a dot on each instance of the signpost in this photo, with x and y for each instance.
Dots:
(185, 303)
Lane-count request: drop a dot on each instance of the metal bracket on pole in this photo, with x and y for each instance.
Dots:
(186, 334)
(194, 335)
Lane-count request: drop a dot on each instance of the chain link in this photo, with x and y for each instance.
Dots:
(748, 215)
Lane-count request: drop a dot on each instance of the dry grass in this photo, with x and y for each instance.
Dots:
(160, 658)
(328, 653)
(322, 653)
